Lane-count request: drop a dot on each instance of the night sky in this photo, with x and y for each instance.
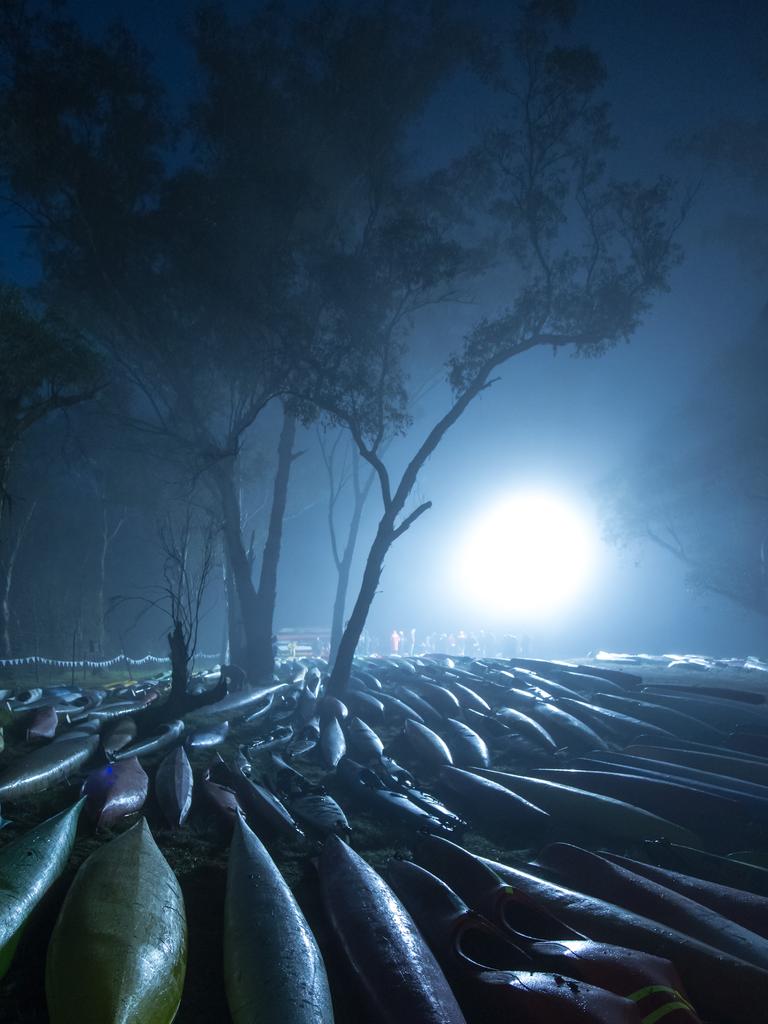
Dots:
(557, 422)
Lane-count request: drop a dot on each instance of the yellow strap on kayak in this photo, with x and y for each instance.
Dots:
(678, 1002)
(651, 990)
(664, 1010)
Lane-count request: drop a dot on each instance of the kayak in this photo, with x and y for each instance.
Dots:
(465, 943)
(173, 787)
(745, 908)
(273, 969)
(723, 988)
(44, 767)
(399, 975)
(28, 867)
(616, 884)
(701, 812)
(119, 948)
(115, 791)
(582, 809)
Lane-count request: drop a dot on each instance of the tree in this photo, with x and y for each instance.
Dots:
(585, 257)
(736, 150)
(10, 555)
(223, 249)
(44, 367)
(183, 593)
(267, 588)
(343, 472)
(174, 303)
(698, 487)
(188, 548)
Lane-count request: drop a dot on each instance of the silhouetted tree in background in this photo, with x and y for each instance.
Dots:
(279, 240)
(342, 465)
(697, 485)
(44, 368)
(186, 579)
(736, 151)
(222, 261)
(585, 256)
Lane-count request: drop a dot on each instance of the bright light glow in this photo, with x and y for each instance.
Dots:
(528, 556)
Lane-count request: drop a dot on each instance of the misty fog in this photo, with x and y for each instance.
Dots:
(687, 91)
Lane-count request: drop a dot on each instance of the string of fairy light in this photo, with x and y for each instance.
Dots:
(120, 659)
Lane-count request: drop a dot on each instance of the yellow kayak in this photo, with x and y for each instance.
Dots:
(119, 948)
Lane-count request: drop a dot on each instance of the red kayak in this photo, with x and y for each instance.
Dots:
(462, 937)
(400, 977)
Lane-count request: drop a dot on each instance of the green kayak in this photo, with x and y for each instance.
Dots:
(28, 867)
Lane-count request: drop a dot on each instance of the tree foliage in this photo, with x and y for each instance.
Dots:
(202, 268)
(584, 255)
(735, 152)
(698, 486)
(44, 366)
(281, 238)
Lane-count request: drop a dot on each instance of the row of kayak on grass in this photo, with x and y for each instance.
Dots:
(693, 662)
(532, 755)
(574, 937)
(526, 753)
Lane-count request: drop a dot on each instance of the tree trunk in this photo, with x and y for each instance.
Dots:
(344, 564)
(339, 604)
(262, 655)
(234, 653)
(343, 571)
(247, 598)
(5, 604)
(180, 702)
(6, 566)
(5, 470)
(101, 585)
(342, 666)
(5, 613)
(179, 665)
(6, 582)
(107, 537)
(387, 532)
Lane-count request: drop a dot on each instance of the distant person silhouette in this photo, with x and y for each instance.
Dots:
(510, 645)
